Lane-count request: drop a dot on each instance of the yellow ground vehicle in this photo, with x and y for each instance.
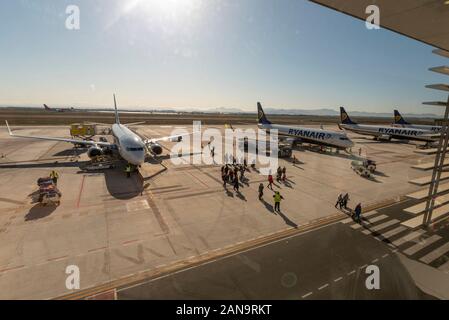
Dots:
(83, 130)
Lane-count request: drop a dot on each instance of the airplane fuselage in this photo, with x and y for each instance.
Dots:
(435, 129)
(130, 146)
(390, 132)
(315, 136)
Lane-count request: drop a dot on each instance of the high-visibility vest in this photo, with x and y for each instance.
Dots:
(128, 168)
(54, 174)
(277, 197)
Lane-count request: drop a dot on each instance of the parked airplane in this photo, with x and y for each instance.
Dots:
(399, 121)
(385, 132)
(303, 134)
(130, 146)
(47, 108)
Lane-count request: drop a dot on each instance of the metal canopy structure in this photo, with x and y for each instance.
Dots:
(423, 20)
(426, 21)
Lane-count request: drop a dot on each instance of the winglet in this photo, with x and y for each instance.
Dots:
(9, 129)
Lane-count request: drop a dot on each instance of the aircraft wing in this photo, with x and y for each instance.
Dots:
(168, 138)
(87, 143)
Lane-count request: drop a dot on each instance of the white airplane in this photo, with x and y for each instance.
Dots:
(47, 108)
(303, 134)
(129, 145)
(399, 121)
(385, 132)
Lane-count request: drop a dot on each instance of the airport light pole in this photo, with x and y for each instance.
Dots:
(442, 143)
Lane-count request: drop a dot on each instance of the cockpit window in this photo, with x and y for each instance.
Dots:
(343, 138)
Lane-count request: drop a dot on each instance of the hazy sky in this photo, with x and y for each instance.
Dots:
(208, 53)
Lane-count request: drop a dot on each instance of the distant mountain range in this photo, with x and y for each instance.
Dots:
(268, 111)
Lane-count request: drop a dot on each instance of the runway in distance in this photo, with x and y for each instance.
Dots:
(399, 121)
(303, 134)
(385, 132)
(130, 146)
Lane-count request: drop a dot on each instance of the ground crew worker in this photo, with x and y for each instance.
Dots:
(260, 191)
(128, 170)
(284, 174)
(277, 201)
(54, 176)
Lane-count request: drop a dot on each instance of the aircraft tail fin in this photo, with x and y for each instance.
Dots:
(117, 119)
(47, 107)
(262, 119)
(398, 119)
(345, 117)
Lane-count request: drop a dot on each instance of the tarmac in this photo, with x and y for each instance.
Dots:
(112, 227)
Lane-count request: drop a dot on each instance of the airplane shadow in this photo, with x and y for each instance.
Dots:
(39, 212)
(70, 152)
(121, 187)
(54, 164)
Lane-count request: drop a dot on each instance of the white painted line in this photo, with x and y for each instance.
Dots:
(385, 255)
(338, 279)
(347, 220)
(435, 254)
(356, 226)
(378, 218)
(306, 295)
(444, 267)
(408, 237)
(352, 272)
(363, 267)
(324, 286)
(369, 214)
(381, 226)
(422, 244)
(375, 260)
(393, 232)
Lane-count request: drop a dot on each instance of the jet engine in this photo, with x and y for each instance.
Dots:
(94, 152)
(155, 148)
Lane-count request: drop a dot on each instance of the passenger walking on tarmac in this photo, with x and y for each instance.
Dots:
(358, 212)
(224, 178)
(270, 182)
(339, 201)
(260, 191)
(277, 201)
(236, 184)
(284, 174)
(279, 173)
(294, 160)
(231, 176)
(345, 201)
(128, 170)
(242, 173)
(54, 176)
(212, 153)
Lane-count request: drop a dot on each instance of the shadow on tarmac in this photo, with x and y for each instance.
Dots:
(39, 212)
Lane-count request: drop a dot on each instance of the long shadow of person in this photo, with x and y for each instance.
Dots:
(241, 196)
(288, 221)
(268, 206)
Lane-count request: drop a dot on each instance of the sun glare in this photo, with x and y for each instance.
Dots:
(163, 8)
